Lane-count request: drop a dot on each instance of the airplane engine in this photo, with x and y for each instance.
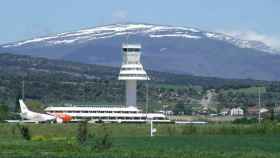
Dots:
(66, 118)
(62, 118)
(59, 120)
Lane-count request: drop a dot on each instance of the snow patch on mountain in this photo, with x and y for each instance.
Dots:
(175, 35)
(258, 45)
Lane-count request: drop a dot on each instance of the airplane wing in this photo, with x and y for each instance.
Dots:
(21, 121)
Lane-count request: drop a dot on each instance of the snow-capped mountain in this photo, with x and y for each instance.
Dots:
(165, 48)
(152, 31)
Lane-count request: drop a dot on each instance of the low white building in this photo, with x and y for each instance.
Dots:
(224, 112)
(166, 112)
(236, 112)
(264, 110)
(107, 114)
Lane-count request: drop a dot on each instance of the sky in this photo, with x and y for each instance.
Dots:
(245, 19)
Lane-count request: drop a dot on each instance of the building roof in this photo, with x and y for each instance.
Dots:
(255, 109)
(93, 108)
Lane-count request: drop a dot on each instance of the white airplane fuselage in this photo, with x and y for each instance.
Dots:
(34, 116)
(37, 117)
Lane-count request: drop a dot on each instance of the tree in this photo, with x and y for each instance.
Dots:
(35, 105)
(179, 108)
(82, 134)
(17, 106)
(104, 142)
(182, 108)
(24, 131)
(4, 112)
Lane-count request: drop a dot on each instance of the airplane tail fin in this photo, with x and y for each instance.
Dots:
(23, 107)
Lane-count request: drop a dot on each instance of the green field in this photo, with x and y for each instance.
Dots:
(132, 140)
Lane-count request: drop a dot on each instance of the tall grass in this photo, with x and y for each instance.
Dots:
(24, 131)
(132, 140)
(82, 132)
(69, 131)
(195, 146)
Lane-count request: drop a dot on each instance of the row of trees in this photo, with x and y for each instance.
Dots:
(242, 99)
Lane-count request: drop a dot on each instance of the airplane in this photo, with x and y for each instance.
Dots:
(34, 117)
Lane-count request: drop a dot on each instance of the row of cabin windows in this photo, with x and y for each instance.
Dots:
(132, 62)
(131, 49)
(131, 69)
(118, 118)
(126, 112)
(133, 75)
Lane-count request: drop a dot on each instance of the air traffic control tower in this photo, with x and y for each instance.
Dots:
(131, 71)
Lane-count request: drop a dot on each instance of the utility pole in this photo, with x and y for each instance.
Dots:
(274, 110)
(259, 92)
(22, 90)
(85, 95)
(147, 99)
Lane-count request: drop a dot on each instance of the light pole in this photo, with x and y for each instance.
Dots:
(22, 90)
(152, 129)
(147, 99)
(259, 93)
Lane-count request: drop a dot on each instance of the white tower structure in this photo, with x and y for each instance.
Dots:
(131, 71)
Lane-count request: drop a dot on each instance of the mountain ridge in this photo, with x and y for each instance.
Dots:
(183, 50)
(215, 35)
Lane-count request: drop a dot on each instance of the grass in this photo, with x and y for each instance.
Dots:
(132, 140)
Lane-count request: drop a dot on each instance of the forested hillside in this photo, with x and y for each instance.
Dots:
(57, 82)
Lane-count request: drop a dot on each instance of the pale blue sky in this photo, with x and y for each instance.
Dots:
(24, 19)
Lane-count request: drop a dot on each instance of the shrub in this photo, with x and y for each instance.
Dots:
(24, 131)
(13, 130)
(171, 130)
(82, 133)
(4, 112)
(245, 120)
(189, 130)
(39, 138)
(104, 142)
